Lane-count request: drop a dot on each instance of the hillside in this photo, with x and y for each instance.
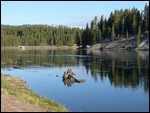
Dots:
(126, 44)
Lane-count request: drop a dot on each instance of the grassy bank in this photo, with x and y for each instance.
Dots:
(18, 88)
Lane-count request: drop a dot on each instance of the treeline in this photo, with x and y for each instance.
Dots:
(120, 24)
(38, 35)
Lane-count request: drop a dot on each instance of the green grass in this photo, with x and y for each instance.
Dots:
(18, 88)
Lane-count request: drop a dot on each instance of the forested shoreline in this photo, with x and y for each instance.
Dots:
(123, 23)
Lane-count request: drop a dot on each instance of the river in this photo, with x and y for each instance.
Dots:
(116, 81)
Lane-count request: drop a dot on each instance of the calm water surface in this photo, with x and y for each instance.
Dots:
(114, 80)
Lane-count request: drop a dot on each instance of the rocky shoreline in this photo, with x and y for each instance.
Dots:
(123, 44)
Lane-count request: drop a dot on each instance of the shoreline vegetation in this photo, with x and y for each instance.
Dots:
(16, 96)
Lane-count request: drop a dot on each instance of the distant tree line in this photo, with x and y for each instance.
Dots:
(120, 24)
(38, 35)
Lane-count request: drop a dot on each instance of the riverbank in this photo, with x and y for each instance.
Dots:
(40, 47)
(17, 97)
(124, 44)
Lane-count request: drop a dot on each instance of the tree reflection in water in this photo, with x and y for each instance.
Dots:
(123, 68)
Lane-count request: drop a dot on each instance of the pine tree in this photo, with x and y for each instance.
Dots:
(146, 17)
(127, 35)
(113, 32)
(85, 36)
(138, 40)
(78, 38)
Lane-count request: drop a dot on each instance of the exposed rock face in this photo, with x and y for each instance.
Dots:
(144, 45)
(124, 43)
(98, 46)
(145, 42)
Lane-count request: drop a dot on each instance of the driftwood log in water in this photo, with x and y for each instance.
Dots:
(68, 78)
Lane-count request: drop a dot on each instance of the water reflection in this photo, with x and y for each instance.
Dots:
(124, 69)
(68, 82)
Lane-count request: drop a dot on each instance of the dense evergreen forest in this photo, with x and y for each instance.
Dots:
(122, 23)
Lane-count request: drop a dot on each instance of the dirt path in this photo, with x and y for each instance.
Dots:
(10, 103)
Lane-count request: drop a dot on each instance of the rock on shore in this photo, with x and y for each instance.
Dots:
(124, 43)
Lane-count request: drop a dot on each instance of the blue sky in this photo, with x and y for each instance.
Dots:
(69, 13)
